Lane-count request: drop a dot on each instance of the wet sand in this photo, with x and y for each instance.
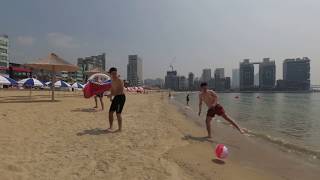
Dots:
(66, 139)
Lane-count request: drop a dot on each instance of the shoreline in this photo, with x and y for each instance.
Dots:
(309, 154)
(66, 140)
(275, 157)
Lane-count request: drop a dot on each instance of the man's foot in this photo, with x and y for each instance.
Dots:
(118, 130)
(244, 131)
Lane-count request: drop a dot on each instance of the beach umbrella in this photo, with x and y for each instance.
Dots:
(7, 81)
(61, 83)
(77, 85)
(48, 83)
(54, 64)
(30, 82)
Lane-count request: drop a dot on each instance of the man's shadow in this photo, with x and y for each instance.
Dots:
(205, 139)
(199, 139)
(96, 132)
(84, 110)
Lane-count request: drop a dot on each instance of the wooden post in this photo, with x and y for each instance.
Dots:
(52, 83)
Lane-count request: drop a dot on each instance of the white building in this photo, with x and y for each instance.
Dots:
(235, 79)
(134, 71)
(4, 55)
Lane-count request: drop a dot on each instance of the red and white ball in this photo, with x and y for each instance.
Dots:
(221, 151)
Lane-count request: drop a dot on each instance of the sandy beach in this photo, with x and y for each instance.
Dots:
(40, 139)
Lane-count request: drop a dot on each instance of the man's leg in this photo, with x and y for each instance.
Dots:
(119, 117)
(208, 124)
(96, 101)
(111, 119)
(101, 102)
(227, 118)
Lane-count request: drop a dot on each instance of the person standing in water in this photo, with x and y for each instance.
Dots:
(210, 98)
(187, 99)
(117, 97)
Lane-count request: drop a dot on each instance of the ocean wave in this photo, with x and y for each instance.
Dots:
(289, 146)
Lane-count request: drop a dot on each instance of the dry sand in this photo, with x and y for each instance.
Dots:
(65, 140)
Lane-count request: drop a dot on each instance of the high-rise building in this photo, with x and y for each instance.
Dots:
(219, 73)
(267, 74)
(191, 81)
(227, 83)
(182, 83)
(206, 75)
(235, 79)
(246, 75)
(4, 47)
(134, 71)
(296, 74)
(171, 80)
(89, 63)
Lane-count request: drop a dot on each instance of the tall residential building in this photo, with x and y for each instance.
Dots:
(89, 63)
(206, 75)
(182, 83)
(4, 55)
(219, 73)
(246, 75)
(171, 80)
(235, 79)
(228, 83)
(296, 74)
(191, 81)
(134, 71)
(267, 74)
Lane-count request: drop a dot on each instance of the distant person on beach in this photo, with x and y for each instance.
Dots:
(210, 98)
(187, 99)
(117, 97)
(100, 96)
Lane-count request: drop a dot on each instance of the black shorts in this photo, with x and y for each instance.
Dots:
(117, 103)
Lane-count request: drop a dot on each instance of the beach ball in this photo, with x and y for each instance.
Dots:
(221, 151)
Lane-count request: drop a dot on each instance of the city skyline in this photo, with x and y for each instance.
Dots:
(191, 35)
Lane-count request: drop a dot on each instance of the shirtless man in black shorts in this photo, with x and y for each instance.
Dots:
(117, 97)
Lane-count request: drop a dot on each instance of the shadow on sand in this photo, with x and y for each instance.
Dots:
(96, 131)
(26, 101)
(199, 139)
(218, 161)
(189, 137)
(85, 110)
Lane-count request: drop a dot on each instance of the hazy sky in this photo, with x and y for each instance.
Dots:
(191, 34)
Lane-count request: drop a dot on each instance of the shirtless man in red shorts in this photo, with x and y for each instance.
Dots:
(211, 100)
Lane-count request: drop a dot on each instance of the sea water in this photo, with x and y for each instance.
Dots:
(291, 120)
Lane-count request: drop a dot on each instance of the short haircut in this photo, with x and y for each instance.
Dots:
(203, 84)
(112, 69)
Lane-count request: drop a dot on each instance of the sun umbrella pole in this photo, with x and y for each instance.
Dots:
(52, 83)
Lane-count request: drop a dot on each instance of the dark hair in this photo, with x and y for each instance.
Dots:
(203, 84)
(112, 69)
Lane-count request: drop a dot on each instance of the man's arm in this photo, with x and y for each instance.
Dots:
(200, 104)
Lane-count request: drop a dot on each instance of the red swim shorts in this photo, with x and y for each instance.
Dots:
(218, 109)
